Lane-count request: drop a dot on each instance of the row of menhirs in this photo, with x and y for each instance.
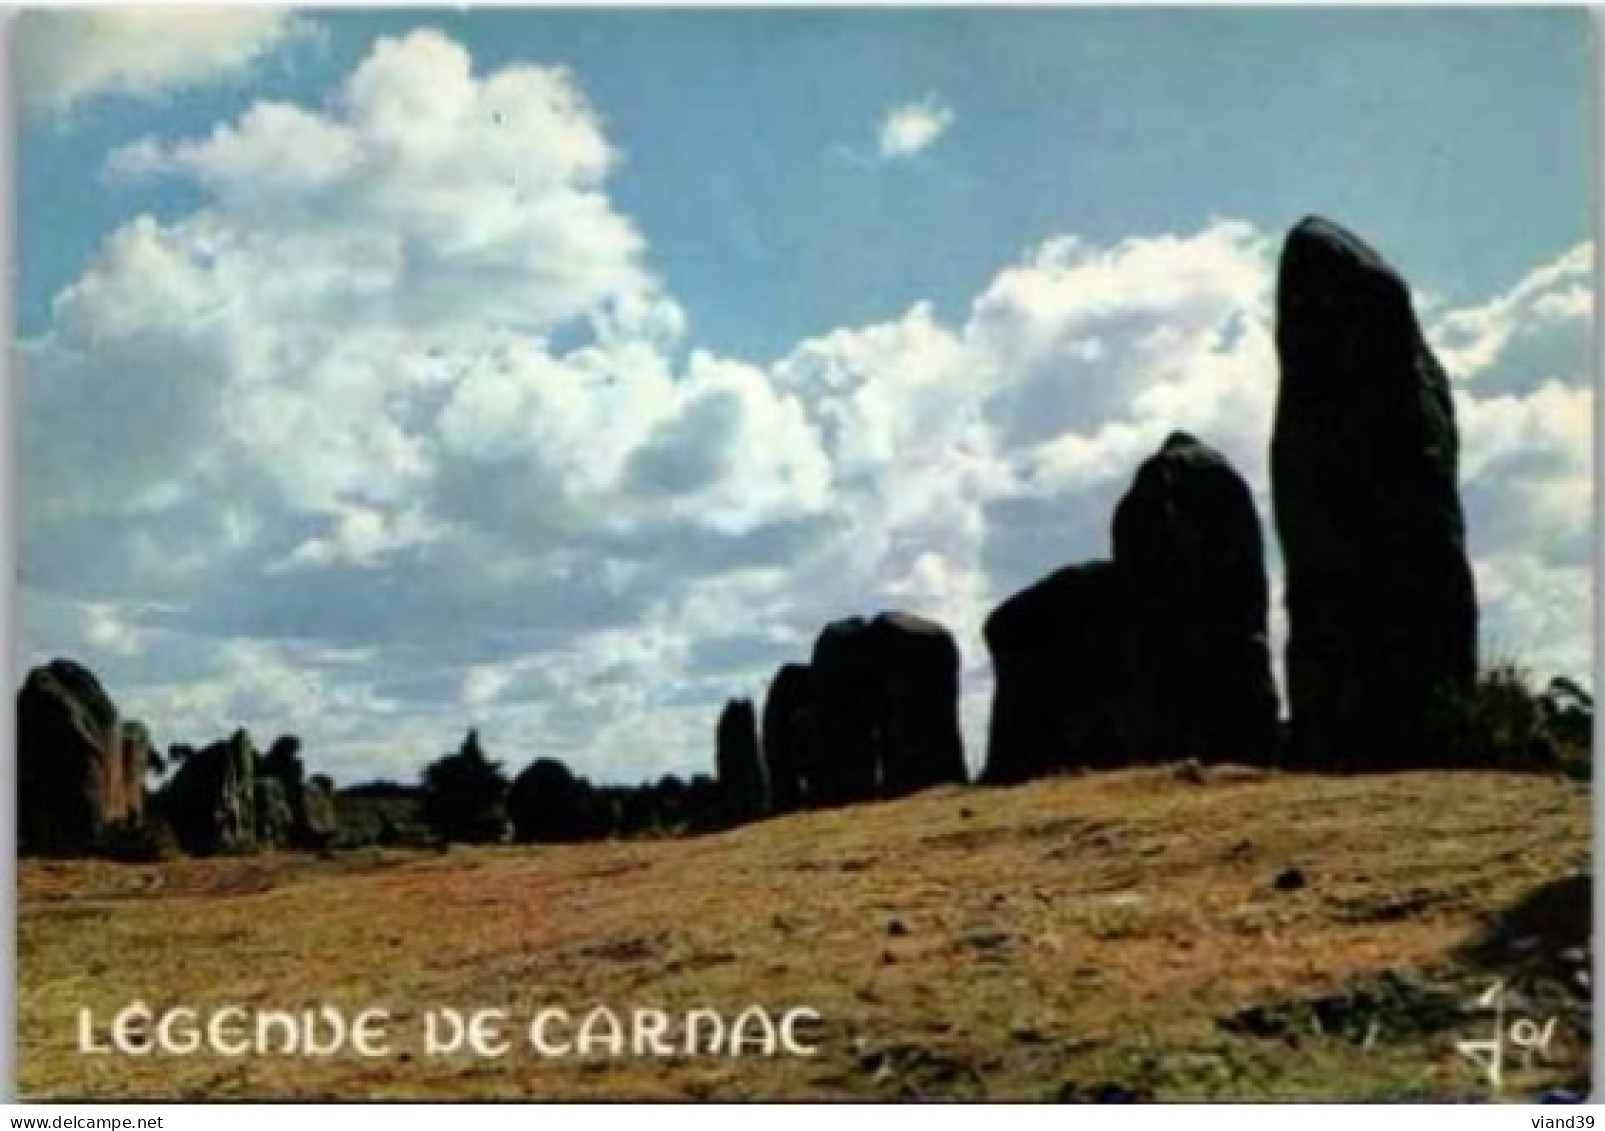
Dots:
(1159, 652)
(81, 781)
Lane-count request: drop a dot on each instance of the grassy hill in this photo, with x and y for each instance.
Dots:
(1158, 933)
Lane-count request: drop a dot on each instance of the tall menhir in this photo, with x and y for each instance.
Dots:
(1382, 612)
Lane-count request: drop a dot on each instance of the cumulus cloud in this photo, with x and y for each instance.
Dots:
(1524, 398)
(404, 374)
(1534, 333)
(398, 432)
(105, 630)
(67, 57)
(912, 128)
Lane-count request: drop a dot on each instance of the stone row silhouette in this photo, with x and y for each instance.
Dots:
(548, 803)
(1162, 653)
(227, 797)
(1159, 654)
(1381, 606)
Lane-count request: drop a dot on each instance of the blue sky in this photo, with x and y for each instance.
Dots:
(562, 372)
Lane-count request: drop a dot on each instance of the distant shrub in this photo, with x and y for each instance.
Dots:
(463, 795)
(1568, 712)
(366, 821)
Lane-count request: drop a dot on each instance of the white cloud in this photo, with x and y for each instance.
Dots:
(67, 57)
(105, 630)
(1535, 332)
(1110, 348)
(398, 431)
(1535, 614)
(912, 128)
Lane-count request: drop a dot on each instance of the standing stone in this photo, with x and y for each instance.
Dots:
(548, 803)
(846, 740)
(77, 779)
(211, 800)
(283, 761)
(1382, 611)
(736, 758)
(1061, 665)
(917, 664)
(1188, 547)
(787, 736)
(704, 805)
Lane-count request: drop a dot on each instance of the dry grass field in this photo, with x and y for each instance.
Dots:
(1117, 934)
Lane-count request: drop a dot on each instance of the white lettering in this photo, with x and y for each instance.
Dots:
(370, 1032)
(130, 1031)
(434, 1043)
(86, 1033)
(692, 1020)
(276, 1023)
(222, 1034)
(335, 1023)
(188, 1038)
(651, 1033)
